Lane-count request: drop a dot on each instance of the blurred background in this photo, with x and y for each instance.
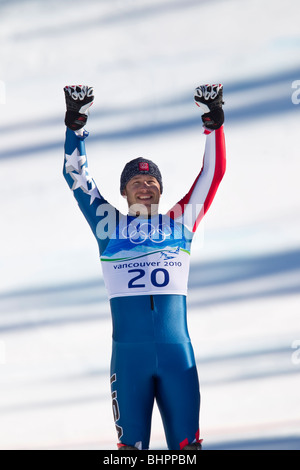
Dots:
(144, 59)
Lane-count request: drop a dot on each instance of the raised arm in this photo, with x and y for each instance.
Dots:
(75, 170)
(193, 206)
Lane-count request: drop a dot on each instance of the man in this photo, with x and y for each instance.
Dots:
(145, 259)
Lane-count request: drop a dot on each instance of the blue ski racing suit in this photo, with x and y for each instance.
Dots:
(145, 262)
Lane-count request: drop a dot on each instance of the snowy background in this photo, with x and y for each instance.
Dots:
(144, 59)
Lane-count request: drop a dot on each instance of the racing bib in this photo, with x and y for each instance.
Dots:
(145, 257)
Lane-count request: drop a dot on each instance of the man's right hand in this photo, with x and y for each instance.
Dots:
(78, 100)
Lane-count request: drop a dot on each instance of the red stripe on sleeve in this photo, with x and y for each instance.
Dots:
(219, 170)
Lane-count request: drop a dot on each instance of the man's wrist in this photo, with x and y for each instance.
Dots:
(75, 121)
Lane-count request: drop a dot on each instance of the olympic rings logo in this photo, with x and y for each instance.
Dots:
(138, 233)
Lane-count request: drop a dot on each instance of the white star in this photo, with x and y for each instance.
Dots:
(93, 193)
(74, 161)
(81, 180)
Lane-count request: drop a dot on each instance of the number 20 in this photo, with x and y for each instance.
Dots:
(153, 278)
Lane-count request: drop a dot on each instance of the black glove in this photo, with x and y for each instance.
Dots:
(209, 98)
(78, 100)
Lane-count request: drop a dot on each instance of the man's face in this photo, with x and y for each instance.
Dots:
(142, 192)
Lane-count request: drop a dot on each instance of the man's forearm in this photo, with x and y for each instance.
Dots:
(204, 188)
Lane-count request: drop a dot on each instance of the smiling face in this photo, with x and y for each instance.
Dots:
(143, 194)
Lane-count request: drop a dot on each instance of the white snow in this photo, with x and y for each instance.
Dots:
(144, 60)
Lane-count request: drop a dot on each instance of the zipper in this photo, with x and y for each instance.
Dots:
(152, 302)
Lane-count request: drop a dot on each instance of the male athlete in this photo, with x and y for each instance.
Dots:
(145, 258)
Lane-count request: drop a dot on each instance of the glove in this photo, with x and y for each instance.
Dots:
(209, 98)
(78, 100)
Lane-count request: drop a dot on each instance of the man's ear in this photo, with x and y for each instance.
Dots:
(123, 193)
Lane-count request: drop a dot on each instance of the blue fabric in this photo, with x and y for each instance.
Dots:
(153, 359)
(152, 356)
